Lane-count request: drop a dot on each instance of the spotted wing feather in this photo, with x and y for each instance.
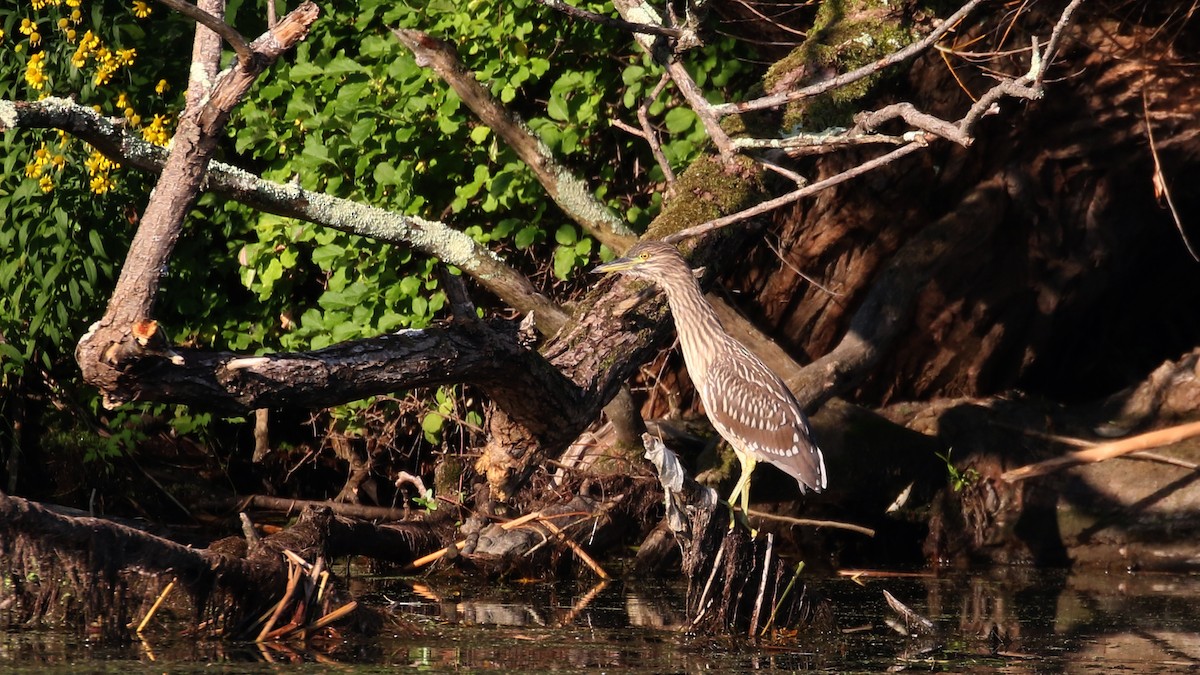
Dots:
(752, 408)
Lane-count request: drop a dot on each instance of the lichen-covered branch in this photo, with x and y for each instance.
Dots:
(430, 237)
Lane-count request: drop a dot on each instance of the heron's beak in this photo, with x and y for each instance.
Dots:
(617, 265)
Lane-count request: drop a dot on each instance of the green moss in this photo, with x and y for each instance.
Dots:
(846, 34)
(708, 189)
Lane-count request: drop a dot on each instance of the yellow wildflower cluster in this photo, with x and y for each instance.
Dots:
(35, 71)
(39, 166)
(156, 131)
(107, 60)
(99, 170)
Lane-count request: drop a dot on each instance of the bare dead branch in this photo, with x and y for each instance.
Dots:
(915, 118)
(570, 192)
(795, 195)
(1106, 451)
(776, 100)
(216, 25)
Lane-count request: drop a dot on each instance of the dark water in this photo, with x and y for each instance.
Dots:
(1004, 621)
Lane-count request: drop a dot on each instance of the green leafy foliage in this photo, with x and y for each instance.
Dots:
(350, 113)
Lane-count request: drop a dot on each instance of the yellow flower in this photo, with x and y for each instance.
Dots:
(161, 87)
(1, 35)
(35, 39)
(156, 131)
(63, 23)
(35, 74)
(39, 4)
(46, 184)
(58, 162)
(76, 15)
(125, 57)
(70, 35)
(140, 9)
(101, 184)
(135, 120)
(41, 157)
(27, 27)
(123, 100)
(73, 3)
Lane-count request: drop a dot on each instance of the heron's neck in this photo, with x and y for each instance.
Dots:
(699, 329)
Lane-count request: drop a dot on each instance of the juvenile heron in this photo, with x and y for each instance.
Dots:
(747, 403)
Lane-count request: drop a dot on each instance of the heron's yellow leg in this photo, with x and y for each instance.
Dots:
(742, 487)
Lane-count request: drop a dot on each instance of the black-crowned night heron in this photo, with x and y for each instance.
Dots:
(747, 403)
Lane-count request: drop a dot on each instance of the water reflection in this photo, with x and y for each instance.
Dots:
(1011, 620)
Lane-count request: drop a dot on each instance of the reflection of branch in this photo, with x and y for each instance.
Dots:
(430, 237)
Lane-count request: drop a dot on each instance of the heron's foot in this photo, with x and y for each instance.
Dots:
(737, 516)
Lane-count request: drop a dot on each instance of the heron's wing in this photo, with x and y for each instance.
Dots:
(753, 409)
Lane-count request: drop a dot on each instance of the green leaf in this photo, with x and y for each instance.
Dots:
(480, 133)
(565, 235)
(557, 108)
(526, 236)
(680, 120)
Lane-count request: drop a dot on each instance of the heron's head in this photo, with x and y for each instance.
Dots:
(653, 260)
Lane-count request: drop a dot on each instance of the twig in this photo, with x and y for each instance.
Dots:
(779, 603)
(716, 564)
(1160, 179)
(154, 608)
(294, 576)
(809, 522)
(1106, 451)
(842, 80)
(508, 525)
(795, 195)
(577, 550)
(228, 33)
(762, 586)
(635, 9)
(651, 136)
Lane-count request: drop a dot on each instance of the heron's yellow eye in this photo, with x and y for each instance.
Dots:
(644, 256)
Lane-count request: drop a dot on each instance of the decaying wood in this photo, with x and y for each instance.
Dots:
(93, 570)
